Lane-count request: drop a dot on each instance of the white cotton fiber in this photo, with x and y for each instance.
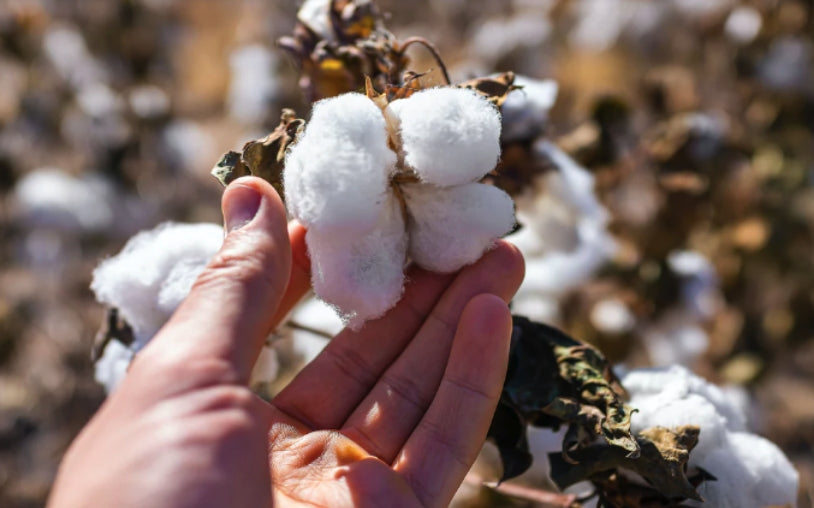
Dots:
(699, 288)
(154, 272)
(677, 382)
(452, 227)
(111, 368)
(752, 472)
(52, 198)
(564, 236)
(253, 84)
(450, 136)
(525, 110)
(336, 175)
(316, 15)
(361, 277)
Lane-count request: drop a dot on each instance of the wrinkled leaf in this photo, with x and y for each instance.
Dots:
(662, 463)
(495, 89)
(554, 380)
(264, 158)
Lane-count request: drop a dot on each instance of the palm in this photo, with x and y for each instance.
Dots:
(395, 414)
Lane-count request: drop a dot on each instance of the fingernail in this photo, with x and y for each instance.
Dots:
(241, 206)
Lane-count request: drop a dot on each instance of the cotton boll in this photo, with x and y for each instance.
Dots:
(525, 110)
(675, 339)
(743, 24)
(316, 15)
(599, 24)
(52, 198)
(750, 472)
(612, 316)
(111, 368)
(253, 85)
(573, 182)
(154, 272)
(555, 273)
(497, 38)
(677, 382)
(67, 51)
(336, 175)
(361, 277)
(690, 409)
(570, 225)
(188, 145)
(149, 102)
(452, 227)
(450, 136)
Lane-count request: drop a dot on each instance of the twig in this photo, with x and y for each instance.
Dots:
(432, 49)
(545, 498)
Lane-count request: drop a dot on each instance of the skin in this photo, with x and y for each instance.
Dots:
(392, 415)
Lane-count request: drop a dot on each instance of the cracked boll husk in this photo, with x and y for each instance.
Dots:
(336, 175)
(452, 227)
(362, 278)
(449, 136)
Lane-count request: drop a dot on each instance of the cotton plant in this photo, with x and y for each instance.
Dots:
(147, 281)
(749, 470)
(564, 237)
(377, 183)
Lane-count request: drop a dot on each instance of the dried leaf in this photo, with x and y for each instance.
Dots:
(495, 89)
(264, 158)
(554, 380)
(230, 167)
(662, 463)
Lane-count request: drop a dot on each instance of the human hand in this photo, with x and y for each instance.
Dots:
(392, 415)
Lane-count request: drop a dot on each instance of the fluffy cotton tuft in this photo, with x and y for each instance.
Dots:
(361, 277)
(337, 182)
(453, 227)
(337, 174)
(450, 136)
(751, 472)
(111, 368)
(525, 110)
(154, 272)
(564, 236)
(52, 198)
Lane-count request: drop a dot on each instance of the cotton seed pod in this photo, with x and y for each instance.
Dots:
(450, 136)
(337, 173)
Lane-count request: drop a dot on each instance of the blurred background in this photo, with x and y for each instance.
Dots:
(696, 118)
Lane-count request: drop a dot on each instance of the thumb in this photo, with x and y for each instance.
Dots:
(231, 307)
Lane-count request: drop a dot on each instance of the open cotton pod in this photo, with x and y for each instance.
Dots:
(374, 193)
